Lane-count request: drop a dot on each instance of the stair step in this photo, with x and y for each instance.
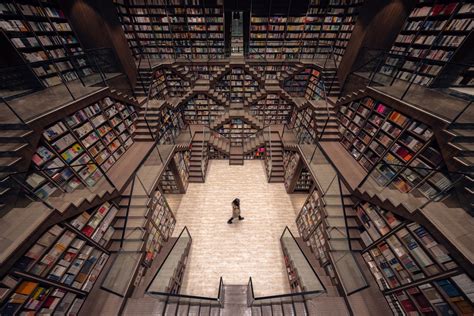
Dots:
(14, 136)
(127, 246)
(130, 234)
(132, 222)
(8, 163)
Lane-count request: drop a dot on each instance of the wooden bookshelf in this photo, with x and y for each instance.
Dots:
(304, 126)
(323, 26)
(74, 151)
(41, 34)
(272, 110)
(430, 38)
(400, 252)
(173, 29)
(202, 109)
(237, 131)
(59, 270)
(377, 135)
(237, 85)
(160, 225)
(297, 176)
(175, 177)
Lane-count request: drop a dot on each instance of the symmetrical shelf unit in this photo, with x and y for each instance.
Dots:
(399, 252)
(297, 85)
(205, 71)
(56, 274)
(237, 85)
(236, 131)
(202, 109)
(173, 29)
(325, 28)
(75, 151)
(403, 150)
(42, 36)
(273, 71)
(272, 110)
(297, 176)
(429, 40)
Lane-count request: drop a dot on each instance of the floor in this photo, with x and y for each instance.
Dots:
(253, 243)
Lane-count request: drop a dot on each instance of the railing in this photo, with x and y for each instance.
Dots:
(418, 81)
(311, 285)
(158, 286)
(328, 183)
(412, 186)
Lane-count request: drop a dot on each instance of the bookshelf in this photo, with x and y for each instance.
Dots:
(428, 41)
(42, 36)
(304, 126)
(272, 110)
(169, 124)
(75, 151)
(175, 177)
(312, 226)
(400, 252)
(297, 177)
(173, 29)
(56, 274)
(202, 109)
(160, 226)
(297, 85)
(377, 135)
(259, 153)
(236, 131)
(237, 85)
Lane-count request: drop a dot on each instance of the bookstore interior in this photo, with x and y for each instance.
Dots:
(345, 129)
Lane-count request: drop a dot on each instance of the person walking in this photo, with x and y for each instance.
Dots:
(235, 211)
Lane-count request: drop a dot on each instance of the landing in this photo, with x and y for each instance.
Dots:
(247, 248)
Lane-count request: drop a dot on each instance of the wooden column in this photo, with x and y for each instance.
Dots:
(97, 25)
(377, 27)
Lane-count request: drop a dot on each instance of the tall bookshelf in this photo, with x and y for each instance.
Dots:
(325, 27)
(237, 85)
(202, 109)
(304, 126)
(236, 131)
(74, 151)
(378, 136)
(161, 224)
(297, 177)
(400, 252)
(328, 28)
(169, 124)
(428, 41)
(272, 110)
(56, 274)
(173, 29)
(42, 36)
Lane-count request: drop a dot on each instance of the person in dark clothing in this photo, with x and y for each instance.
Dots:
(235, 211)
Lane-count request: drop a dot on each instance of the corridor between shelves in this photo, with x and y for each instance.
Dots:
(246, 248)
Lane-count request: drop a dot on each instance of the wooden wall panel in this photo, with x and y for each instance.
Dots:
(377, 27)
(97, 25)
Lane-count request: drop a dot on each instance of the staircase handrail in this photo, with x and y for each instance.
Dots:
(251, 298)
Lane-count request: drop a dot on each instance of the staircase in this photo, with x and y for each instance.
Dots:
(218, 75)
(331, 82)
(218, 97)
(17, 144)
(236, 112)
(325, 113)
(288, 73)
(236, 155)
(255, 75)
(253, 143)
(257, 96)
(274, 158)
(359, 94)
(197, 171)
(144, 80)
(220, 143)
(460, 139)
(184, 72)
(147, 127)
(133, 227)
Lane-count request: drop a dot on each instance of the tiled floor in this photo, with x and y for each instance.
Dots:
(247, 248)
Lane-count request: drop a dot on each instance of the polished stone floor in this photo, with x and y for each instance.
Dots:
(248, 248)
